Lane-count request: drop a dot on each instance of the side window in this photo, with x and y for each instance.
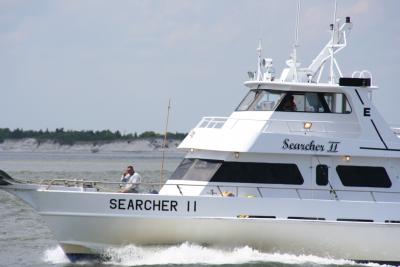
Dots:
(196, 169)
(321, 174)
(260, 100)
(202, 170)
(247, 101)
(263, 173)
(364, 176)
(182, 169)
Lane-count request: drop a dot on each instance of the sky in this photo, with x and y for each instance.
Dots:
(94, 64)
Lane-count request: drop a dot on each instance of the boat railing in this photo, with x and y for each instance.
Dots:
(234, 191)
(222, 190)
(91, 184)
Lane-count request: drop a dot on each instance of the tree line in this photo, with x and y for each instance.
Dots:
(69, 137)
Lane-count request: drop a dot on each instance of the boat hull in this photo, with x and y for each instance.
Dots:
(356, 241)
(87, 223)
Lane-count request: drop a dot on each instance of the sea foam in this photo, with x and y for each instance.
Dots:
(195, 254)
(188, 253)
(55, 256)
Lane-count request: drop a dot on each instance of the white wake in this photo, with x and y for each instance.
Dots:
(195, 254)
(55, 256)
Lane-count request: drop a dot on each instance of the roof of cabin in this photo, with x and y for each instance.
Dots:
(297, 86)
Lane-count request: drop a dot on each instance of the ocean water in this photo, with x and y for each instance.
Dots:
(25, 239)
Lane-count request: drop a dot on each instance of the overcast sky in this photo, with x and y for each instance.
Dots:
(114, 64)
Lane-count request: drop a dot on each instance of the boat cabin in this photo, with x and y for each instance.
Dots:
(295, 137)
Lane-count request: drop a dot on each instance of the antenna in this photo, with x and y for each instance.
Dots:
(163, 145)
(296, 35)
(259, 49)
(296, 42)
(332, 54)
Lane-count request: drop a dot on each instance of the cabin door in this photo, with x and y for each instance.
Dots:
(321, 182)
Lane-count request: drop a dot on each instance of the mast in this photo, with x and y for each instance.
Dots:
(332, 54)
(337, 42)
(164, 143)
(259, 50)
(296, 43)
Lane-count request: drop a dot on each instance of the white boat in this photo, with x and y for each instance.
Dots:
(301, 166)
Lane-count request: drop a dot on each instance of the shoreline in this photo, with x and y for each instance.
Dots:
(137, 145)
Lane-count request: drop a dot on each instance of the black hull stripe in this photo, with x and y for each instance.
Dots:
(359, 97)
(380, 137)
(394, 263)
(99, 259)
(96, 258)
(378, 148)
(354, 220)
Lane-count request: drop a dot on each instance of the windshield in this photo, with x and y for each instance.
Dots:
(294, 101)
(314, 102)
(260, 100)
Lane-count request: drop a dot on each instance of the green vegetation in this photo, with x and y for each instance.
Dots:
(69, 137)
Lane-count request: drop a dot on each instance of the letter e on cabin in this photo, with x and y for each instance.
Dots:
(367, 112)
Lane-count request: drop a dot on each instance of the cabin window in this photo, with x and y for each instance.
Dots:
(247, 101)
(260, 100)
(364, 176)
(196, 169)
(263, 173)
(314, 102)
(182, 169)
(337, 103)
(321, 174)
(317, 102)
(237, 172)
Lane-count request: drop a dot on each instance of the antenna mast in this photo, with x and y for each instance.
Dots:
(296, 42)
(337, 42)
(164, 144)
(259, 49)
(332, 54)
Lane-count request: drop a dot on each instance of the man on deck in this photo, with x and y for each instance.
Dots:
(132, 180)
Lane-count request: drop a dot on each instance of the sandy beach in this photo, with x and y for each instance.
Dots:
(33, 145)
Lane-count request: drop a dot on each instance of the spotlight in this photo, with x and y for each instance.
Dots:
(307, 125)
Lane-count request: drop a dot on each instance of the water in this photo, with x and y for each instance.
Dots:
(26, 241)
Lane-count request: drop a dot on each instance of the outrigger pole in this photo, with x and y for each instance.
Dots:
(164, 143)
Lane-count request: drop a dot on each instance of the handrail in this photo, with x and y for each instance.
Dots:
(96, 184)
